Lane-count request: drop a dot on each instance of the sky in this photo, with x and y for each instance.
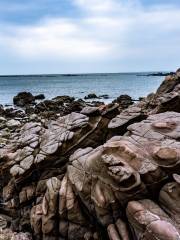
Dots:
(89, 36)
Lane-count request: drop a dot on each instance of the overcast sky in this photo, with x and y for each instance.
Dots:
(80, 36)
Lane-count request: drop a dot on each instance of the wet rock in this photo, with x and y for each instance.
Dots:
(61, 105)
(23, 98)
(47, 105)
(91, 96)
(104, 96)
(39, 97)
(63, 99)
(75, 106)
(13, 113)
(97, 103)
(1, 110)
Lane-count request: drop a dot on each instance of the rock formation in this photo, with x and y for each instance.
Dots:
(167, 98)
(100, 173)
(24, 98)
(124, 101)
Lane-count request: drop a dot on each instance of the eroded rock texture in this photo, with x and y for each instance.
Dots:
(127, 188)
(33, 164)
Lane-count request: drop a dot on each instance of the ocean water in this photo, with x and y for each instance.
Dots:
(134, 84)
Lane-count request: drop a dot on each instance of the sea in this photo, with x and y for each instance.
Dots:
(79, 85)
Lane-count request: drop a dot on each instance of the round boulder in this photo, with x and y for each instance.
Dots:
(23, 98)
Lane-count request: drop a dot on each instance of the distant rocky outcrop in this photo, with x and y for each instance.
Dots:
(91, 96)
(157, 74)
(94, 96)
(72, 170)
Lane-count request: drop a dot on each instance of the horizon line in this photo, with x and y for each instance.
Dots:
(78, 74)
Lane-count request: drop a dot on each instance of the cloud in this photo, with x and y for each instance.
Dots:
(112, 31)
(101, 7)
(58, 38)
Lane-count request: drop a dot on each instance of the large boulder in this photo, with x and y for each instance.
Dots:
(13, 123)
(119, 124)
(23, 98)
(39, 97)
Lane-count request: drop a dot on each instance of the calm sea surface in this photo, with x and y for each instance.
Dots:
(79, 85)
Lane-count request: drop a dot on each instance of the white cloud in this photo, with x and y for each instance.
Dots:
(58, 38)
(97, 5)
(118, 31)
(107, 7)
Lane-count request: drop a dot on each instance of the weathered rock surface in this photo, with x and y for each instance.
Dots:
(13, 123)
(54, 142)
(89, 200)
(119, 124)
(9, 235)
(129, 168)
(150, 221)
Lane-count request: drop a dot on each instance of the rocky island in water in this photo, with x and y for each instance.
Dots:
(76, 170)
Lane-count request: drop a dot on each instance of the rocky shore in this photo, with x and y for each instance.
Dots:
(77, 170)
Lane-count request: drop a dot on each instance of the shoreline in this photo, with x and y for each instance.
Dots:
(79, 87)
(72, 170)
